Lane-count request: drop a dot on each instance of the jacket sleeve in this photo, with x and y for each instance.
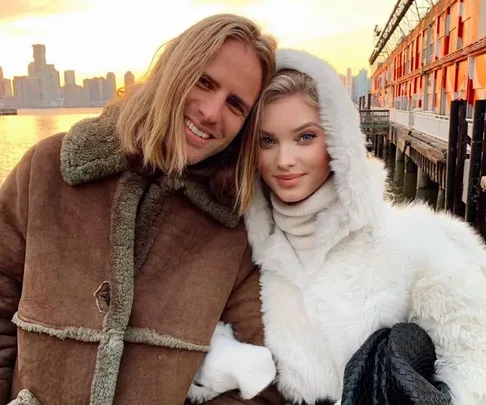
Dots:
(449, 303)
(13, 225)
(242, 322)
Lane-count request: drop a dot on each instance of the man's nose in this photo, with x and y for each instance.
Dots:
(212, 108)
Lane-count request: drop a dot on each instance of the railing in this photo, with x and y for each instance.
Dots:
(374, 120)
(402, 118)
(425, 122)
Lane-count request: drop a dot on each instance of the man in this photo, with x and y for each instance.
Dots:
(120, 245)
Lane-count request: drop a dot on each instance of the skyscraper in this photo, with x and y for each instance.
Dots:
(7, 87)
(93, 91)
(72, 93)
(109, 86)
(363, 83)
(27, 90)
(69, 77)
(2, 85)
(354, 88)
(39, 53)
(47, 77)
(129, 79)
(349, 81)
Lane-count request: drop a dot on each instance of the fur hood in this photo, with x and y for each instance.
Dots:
(358, 180)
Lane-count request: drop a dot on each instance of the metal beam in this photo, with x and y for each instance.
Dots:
(400, 9)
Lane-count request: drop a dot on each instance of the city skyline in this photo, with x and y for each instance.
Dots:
(335, 31)
(42, 86)
(79, 78)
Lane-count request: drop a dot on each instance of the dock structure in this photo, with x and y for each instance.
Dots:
(8, 111)
(429, 73)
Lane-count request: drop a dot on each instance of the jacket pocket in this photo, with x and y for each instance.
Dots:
(25, 397)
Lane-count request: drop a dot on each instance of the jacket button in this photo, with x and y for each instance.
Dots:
(103, 295)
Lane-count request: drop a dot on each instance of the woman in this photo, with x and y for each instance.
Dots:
(340, 263)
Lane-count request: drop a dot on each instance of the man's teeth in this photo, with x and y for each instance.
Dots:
(196, 131)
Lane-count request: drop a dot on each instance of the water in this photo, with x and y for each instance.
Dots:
(395, 182)
(401, 184)
(19, 132)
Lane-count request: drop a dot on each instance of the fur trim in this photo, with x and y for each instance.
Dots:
(456, 324)
(201, 197)
(150, 337)
(132, 335)
(91, 150)
(25, 397)
(68, 332)
(127, 196)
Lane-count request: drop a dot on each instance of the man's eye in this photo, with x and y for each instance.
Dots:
(205, 83)
(237, 106)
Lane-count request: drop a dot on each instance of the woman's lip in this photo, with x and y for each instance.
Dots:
(289, 176)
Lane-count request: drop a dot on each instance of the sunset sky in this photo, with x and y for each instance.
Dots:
(96, 36)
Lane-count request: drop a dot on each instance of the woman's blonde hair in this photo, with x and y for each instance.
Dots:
(151, 121)
(285, 83)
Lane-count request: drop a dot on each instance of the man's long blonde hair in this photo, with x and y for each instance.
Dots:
(151, 121)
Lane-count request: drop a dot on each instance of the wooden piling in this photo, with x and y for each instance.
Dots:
(477, 141)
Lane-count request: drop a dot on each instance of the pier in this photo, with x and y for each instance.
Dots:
(8, 111)
(426, 110)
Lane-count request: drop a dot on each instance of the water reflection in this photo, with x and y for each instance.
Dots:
(19, 132)
(401, 184)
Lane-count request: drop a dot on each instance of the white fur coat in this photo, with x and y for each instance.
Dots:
(375, 265)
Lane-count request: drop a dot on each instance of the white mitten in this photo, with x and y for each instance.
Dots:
(231, 365)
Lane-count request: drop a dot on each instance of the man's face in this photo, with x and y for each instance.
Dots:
(219, 103)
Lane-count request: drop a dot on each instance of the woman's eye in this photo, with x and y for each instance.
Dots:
(266, 141)
(307, 137)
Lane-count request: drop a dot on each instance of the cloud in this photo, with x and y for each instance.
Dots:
(102, 35)
(340, 50)
(12, 10)
(233, 3)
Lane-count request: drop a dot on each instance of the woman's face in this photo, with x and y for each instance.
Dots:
(294, 161)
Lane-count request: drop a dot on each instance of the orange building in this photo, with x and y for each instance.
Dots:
(442, 59)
